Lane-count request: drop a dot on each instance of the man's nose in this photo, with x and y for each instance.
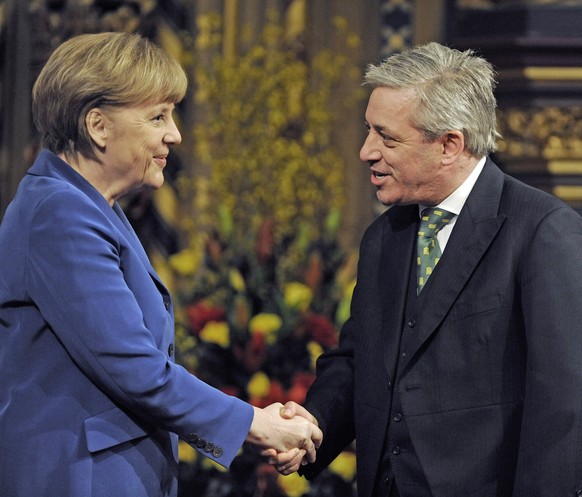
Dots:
(370, 151)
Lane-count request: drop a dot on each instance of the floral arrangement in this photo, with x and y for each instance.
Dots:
(254, 323)
(262, 285)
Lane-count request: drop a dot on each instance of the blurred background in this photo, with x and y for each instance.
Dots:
(257, 227)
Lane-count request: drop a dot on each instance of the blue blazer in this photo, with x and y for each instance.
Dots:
(490, 379)
(91, 401)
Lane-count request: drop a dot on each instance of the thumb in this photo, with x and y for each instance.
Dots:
(289, 410)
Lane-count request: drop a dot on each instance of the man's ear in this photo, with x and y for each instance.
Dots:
(96, 123)
(453, 146)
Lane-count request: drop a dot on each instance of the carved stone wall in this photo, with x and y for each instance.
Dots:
(29, 32)
(536, 48)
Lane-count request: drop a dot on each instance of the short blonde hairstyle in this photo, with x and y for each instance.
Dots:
(96, 70)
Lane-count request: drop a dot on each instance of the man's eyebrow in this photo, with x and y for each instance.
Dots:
(380, 128)
(375, 126)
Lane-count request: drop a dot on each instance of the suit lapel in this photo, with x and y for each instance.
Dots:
(475, 229)
(129, 234)
(48, 164)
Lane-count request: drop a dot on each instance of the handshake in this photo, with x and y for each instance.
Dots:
(288, 435)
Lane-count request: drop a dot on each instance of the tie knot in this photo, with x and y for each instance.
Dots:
(432, 221)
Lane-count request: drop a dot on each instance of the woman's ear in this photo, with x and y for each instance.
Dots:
(96, 123)
(453, 146)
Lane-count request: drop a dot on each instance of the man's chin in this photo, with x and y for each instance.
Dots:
(385, 200)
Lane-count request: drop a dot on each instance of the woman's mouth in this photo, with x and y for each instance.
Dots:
(161, 160)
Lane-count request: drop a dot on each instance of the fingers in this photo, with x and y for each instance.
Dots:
(316, 436)
(307, 435)
(270, 454)
(287, 462)
(291, 409)
(310, 450)
(274, 408)
(291, 467)
(287, 442)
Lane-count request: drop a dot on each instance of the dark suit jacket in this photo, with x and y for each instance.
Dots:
(91, 402)
(491, 385)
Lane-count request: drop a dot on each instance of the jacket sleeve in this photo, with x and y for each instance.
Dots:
(550, 448)
(331, 400)
(80, 277)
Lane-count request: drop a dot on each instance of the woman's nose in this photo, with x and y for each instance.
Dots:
(173, 135)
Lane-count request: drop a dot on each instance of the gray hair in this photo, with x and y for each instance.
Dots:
(454, 89)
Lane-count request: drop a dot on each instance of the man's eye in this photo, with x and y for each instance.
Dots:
(388, 141)
(159, 118)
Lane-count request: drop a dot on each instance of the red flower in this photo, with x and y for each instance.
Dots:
(276, 394)
(265, 244)
(301, 383)
(255, 352)
(231, 390)
(321, 329)
(201, 313)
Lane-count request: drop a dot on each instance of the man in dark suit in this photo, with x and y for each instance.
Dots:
(463, 379)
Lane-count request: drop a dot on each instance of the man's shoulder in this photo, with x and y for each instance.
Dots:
(524, 197)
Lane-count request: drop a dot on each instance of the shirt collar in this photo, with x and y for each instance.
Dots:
(456, 200)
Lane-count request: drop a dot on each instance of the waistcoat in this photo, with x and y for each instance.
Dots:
(400, 464)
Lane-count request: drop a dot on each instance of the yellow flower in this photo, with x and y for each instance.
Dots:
(186, 452)
(265, 323)
(344, 465)
(293, 485)
(259, 385)
(343, 308)
(315, 350)
(208, 463)
(216, 332)
(186, 262)
(237, 282)
(297, 295)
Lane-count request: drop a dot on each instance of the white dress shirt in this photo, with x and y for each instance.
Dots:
(455, 202)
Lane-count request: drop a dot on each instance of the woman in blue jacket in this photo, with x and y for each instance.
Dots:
(91, 401)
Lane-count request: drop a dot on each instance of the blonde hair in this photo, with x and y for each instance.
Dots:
(96, 70)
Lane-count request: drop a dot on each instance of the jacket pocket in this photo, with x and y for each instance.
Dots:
(110, 428)
(472, 307)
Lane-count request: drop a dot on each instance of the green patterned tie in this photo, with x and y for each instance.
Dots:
(428, 249)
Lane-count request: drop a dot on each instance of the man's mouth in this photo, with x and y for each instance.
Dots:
(377, 174)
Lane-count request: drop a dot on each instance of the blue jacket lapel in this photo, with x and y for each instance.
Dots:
(48, 164)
